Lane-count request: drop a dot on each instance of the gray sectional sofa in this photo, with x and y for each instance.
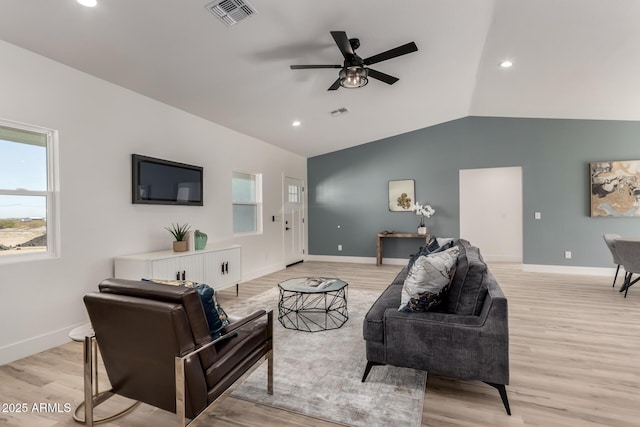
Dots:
(467, 337)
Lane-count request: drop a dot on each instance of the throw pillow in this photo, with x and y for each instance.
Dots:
(433, 244)
(221, 313)
(431, 247)
(216, 316)
(426, 284)
(444, 240)
(424, 250)
(444, 244)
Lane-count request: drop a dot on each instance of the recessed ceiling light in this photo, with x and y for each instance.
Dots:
(506, 64)
(296, 123)
(88, 3)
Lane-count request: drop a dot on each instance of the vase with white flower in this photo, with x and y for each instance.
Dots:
(424, 211)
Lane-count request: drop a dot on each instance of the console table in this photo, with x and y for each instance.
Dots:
(396, 236)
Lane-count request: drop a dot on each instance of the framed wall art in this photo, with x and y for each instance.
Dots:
(401, 195)
(615, 188)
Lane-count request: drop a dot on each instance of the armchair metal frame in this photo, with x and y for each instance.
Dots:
(93, 398)
(180, 372)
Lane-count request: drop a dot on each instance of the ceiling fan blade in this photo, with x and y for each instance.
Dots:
(335, 85)
(304, 67)
(382, 76)
(343, 43)
(392, 53)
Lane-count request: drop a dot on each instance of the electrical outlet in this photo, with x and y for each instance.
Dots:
(567, 254)
(339, 247)
(537, 215)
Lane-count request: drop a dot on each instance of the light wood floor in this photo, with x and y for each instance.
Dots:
(574, 349)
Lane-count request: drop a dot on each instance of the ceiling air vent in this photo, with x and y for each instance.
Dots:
(231, 11)
(339, 111)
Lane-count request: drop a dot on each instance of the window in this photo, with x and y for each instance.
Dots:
(27, 203)
(246, 191)
(294, 194)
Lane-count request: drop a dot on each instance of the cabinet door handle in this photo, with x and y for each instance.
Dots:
(226, 267)
(222, 268)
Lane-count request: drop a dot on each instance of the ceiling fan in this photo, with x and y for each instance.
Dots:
(355, 71)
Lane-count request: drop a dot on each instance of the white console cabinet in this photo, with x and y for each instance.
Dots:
(218, 267)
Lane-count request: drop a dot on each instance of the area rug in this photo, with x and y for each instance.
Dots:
(319, 374)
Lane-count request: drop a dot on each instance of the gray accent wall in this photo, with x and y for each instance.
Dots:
(348, 188)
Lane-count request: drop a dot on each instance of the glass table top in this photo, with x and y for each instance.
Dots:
(312, 284)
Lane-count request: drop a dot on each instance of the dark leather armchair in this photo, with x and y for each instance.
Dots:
(156, 346)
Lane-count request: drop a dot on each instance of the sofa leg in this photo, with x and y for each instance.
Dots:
(368, 368)
(503, 395)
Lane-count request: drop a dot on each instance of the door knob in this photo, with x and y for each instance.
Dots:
(287, 228)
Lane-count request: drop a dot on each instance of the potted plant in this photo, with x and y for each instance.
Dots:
(423, 211)
(179, 232)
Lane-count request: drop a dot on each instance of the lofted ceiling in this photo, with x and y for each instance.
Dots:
(572, 59)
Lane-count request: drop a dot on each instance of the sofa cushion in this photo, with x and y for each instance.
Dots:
(427, 281)
(468, 290)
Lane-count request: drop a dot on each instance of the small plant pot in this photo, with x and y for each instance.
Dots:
(422, 230)
(180, 246)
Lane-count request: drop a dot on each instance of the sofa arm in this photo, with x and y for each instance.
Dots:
(469, 347)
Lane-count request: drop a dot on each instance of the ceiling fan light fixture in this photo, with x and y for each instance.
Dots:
(353, 77)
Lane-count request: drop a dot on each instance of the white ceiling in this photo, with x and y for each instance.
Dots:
(572, 59)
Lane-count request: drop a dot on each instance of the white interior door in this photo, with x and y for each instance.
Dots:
(293, 220)
(491, 211)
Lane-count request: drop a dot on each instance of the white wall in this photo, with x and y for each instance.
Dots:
(491, 211)
(99, 126)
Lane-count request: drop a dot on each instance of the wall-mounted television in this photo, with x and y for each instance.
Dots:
(163, 182)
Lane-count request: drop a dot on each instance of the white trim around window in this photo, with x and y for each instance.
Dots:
(246, 193)
(20, 133)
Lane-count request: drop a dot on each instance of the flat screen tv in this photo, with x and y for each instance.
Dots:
(162, 182)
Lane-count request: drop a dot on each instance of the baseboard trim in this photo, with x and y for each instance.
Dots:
(251, 275)
(532, 268)
(356, 259)
(28, 347)
(502, 258)
(569, 269)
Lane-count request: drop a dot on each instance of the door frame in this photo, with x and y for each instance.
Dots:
(303, 228)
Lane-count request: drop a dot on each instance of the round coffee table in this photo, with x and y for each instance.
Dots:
(313, 304)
